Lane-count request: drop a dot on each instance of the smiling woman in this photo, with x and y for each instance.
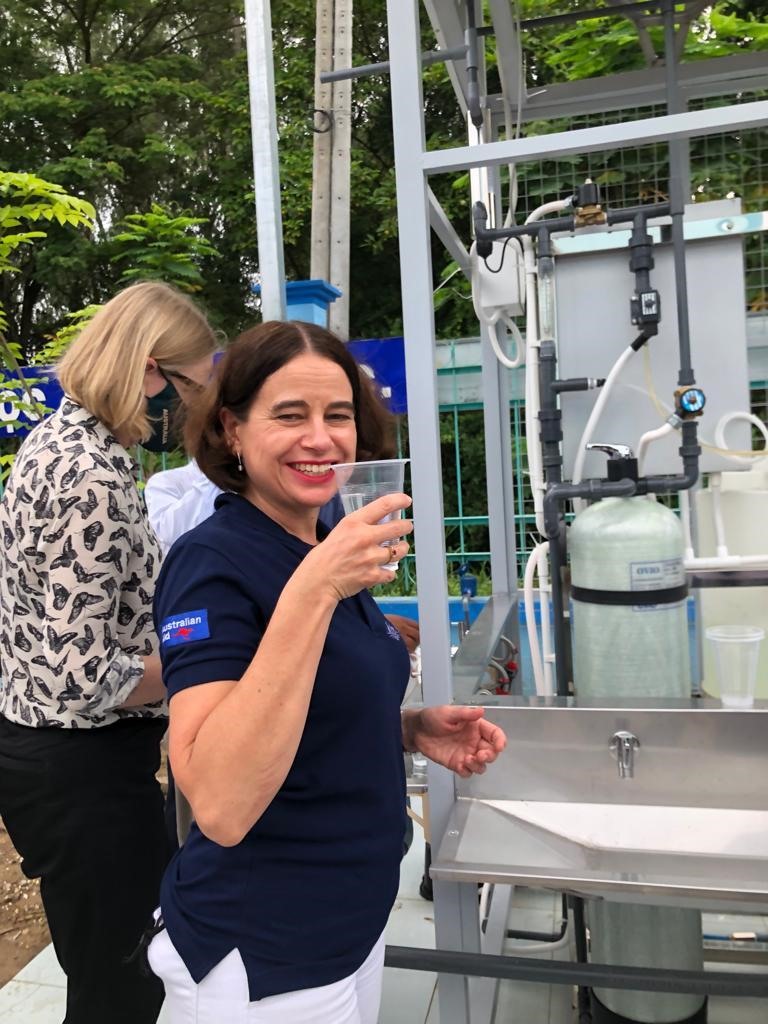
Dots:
(288, 443)
(276, 903)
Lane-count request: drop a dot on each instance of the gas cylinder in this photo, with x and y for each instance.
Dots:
(630, 639)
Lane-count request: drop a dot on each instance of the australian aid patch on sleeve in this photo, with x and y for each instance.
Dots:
(184, 628)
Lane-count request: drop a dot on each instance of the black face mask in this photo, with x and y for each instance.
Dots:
(161, 411)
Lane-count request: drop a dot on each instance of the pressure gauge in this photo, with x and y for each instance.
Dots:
(689, 402)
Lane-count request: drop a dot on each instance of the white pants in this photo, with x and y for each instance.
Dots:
(222, 996)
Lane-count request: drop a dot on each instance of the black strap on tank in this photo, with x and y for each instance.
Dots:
(630, 598)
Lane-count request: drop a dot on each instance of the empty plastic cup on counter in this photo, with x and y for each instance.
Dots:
(363, 482)
(736, 650)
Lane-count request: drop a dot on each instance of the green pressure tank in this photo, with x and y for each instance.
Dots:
(630, 639)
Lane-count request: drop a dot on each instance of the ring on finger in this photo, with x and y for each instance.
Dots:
(392, 553)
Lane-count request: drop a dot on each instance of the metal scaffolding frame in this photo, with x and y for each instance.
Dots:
(455, 910)
(456, 917)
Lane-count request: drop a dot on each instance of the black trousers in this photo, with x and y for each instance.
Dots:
(85, 812)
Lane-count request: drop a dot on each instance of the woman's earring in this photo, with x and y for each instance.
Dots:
(240, 462)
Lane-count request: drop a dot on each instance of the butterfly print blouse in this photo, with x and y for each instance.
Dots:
(77, 568)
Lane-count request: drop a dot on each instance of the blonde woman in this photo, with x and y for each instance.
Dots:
(81, 702)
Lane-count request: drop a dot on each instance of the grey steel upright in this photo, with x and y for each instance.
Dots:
(456, 914)
(266, 171)
(456, 918)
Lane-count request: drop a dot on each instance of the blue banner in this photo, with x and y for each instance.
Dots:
(383, 359)
(45, 389)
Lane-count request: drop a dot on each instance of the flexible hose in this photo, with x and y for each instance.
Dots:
(530, 618)
(594, 416)
(514, 330)
(648, 437)
(722, 423)
(556, 206)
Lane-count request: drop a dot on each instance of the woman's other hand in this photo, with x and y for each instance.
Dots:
(459, 738)
(352, 558)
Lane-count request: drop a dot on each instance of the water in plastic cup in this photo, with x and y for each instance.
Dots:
(736, 650)
(363, 482)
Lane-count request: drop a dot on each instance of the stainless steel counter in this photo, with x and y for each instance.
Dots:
(686, 825)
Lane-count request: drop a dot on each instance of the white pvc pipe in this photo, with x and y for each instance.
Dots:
(720, 560)
(685, 518)
(728, 562)
(535, 464)
(648, 438)
(715, 486)
(547, 649)
(530, 618)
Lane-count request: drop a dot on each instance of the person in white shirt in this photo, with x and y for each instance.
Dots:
(179, 499)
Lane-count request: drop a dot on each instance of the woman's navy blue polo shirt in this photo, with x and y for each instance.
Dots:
(307, 892)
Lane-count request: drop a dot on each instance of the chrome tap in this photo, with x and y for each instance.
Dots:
(623, 746)
(465, 608)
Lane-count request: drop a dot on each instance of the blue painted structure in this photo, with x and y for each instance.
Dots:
(307, 300)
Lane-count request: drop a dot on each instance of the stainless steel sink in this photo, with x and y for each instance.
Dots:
(685, 824)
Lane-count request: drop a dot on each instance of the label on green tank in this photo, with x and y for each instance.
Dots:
(662, 574)
(656, 575)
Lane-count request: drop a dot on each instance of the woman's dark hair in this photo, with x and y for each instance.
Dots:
(253, 357)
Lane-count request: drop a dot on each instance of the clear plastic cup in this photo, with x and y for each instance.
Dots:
(363, 482)
(736, 650)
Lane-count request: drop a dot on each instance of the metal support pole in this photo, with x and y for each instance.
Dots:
(455, 906)
(383, 67)
(740, 985)
(266, 171)
(623, 135)
(677, 165)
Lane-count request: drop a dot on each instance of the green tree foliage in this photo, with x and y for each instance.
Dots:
(143, 102)
(158, 246)
(28, 205)
(115, 101)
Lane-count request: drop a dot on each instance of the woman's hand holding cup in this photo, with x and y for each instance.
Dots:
(355, 554)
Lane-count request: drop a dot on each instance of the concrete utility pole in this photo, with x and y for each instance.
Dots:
(331, 165)
(320, 266)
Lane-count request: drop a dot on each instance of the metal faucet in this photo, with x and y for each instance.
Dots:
(623, 746)
(465, 608)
